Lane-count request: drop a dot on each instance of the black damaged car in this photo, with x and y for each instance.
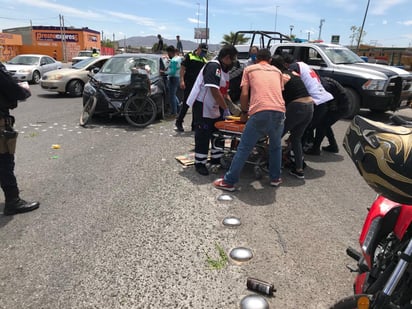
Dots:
(116, 74)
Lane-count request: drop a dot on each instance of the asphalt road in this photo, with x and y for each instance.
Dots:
(122, 224)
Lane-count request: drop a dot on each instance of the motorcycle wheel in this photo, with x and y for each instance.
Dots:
(351, 302)
(88, 111)
(386, 257)
(140, 111)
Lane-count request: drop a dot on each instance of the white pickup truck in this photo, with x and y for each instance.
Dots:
(374, 86)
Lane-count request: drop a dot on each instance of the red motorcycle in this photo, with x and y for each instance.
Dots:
(383, 156)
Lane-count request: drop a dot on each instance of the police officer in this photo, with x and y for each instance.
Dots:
(10, 93)
(189, 69)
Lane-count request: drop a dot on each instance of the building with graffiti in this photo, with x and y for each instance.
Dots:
(9, 45)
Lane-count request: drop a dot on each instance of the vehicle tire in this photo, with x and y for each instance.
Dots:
(36, 77)
(161, 108)
(258, 172)
(88, 110)
(354, 103)
(75, 88)
(349, 302)
(140, 111)
(226, 160)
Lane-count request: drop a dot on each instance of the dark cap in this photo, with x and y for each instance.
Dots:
(203, 47)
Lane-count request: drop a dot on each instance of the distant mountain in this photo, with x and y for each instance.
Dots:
(149, 41)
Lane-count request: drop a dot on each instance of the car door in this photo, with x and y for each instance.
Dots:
(45, 65)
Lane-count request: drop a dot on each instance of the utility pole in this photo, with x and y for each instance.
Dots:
(363, 24)
(320, 28)
(63, 37)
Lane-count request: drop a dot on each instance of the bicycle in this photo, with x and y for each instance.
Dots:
(134, 102)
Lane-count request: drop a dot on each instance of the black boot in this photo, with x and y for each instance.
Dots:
(331, 148)
(179, 126)
(17, 205)
(201, 169)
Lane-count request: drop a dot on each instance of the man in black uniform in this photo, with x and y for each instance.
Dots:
(10, 92)
(189, 69)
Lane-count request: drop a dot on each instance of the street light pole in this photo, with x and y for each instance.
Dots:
(207, 21)
(198, 16)
(363, 24)
(276, 16)
(291, 28)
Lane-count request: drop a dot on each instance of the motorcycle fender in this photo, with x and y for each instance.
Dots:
(403, 222)
(389, 212)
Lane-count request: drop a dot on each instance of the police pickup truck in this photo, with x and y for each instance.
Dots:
(377, 87)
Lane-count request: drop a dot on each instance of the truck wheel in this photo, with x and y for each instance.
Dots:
(354, 103)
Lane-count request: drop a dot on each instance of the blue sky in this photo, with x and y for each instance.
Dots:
(388, 23)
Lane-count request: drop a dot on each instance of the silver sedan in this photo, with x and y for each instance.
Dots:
(31, 67)
(72, 80)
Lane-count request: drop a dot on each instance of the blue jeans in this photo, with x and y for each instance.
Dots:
(265, 123)
(174, 101)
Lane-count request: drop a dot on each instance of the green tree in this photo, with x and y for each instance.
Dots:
(355, 34)
(107, 43)
(228, 39)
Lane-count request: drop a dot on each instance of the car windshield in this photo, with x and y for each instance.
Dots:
(124, 65)
(25, 60)
(340, 55)
(85, 54)
(84, 63)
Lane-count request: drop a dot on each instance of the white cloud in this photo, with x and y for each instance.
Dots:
(195, 21)
(63, 9)
(407, 23)
(144, 21)
(380, 7)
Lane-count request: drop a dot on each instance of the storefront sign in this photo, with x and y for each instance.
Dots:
(55, 36)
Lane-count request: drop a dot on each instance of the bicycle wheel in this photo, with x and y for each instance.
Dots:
(88, 110)
(140, 111)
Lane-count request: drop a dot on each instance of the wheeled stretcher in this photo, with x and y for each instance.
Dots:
(230, 131)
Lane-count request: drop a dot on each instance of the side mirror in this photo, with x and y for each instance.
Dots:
(95, 70)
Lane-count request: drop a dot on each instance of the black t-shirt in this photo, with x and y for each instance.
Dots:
(294, 88)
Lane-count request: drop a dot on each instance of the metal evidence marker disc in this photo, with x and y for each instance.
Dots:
(241, 254)
(254, 302)
(231, 221)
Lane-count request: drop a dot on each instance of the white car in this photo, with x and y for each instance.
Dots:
(31, 67)
(83, 54)
(71, 80)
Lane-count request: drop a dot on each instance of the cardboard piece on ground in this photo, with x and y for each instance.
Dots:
(187, 159)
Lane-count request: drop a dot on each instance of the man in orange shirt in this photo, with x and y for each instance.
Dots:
(266, 118)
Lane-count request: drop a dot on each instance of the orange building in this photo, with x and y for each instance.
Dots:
(9, 45)
(67, 41)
